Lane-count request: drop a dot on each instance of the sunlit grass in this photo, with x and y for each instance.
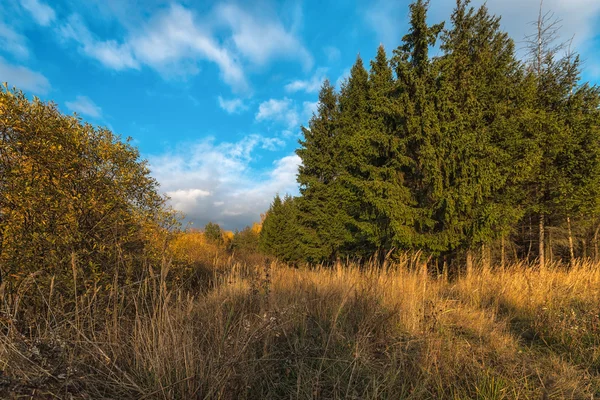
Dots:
(270, 331)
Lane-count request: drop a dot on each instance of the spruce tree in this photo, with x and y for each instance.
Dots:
(477, 89)
(213, 233)
(576, 166)
(414, 123)
(386, 214)
(272, 228)
(279, 233)
(322, 208)
(355, 147)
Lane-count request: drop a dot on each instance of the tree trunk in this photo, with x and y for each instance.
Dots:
(596, 243)
(549, 248)
(469, 262)
(445, 271)
(541, 251)
(485, 256)
(530, 239)
(502, 252)
(571, 248)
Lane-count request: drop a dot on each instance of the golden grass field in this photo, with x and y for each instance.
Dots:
(271, 331)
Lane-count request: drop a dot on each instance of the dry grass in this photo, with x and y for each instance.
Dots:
(269, 331)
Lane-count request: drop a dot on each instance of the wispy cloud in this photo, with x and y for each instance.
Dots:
(84, 106)
(109, 53)
(172, 42)
(280, 111)
(311, 85)
(41, 12)
(260, 39)
(13, 42)
(232, 106)
(218, 182)
(175, 39)
(23, 78)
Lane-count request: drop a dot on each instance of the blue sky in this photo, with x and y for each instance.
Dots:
(213, 93)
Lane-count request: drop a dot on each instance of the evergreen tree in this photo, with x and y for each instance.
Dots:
(383, 216)
(279, 233)
(575, 169)
(213, 233)
(444, 154)
(562, 131)
(323, 218)
(247, 240)
(355, 146)
(414, 122)
(477, 89)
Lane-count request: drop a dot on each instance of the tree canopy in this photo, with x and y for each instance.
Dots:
(446, 154)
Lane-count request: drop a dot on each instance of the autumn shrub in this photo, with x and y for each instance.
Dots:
(78, 207)
(196, 259)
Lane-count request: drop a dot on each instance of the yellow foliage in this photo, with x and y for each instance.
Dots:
(75, 201)
(256, 227)
(227, 237)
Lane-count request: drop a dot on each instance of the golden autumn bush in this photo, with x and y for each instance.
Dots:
(76, 203)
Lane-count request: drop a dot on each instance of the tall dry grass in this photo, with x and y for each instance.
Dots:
(270, 331)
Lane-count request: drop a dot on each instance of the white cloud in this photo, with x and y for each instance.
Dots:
(172, 42)
(272, 144)
(84, 106)
(218, 182)
(282, 111)
(175, 36)
(186, 199)
(232, 106)
(262, 40)
(110, 53)
(23, 78)
(41, 12)
(311, 85)
(175, 40)
(13, 42)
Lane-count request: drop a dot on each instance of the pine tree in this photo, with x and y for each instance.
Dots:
(322, 208)
(355, 147)
(272, 227)
(414, 122)
(279, 233)
(213, 233)
(477, 89)
(384, 216)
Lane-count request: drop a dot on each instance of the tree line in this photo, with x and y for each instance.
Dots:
(470, 149)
